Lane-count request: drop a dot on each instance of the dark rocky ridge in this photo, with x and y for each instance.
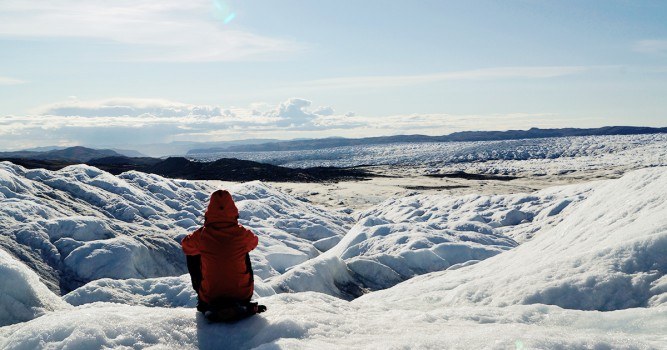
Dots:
(222, 169)
(468, 176)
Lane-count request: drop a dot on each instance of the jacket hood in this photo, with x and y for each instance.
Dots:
(221, 208)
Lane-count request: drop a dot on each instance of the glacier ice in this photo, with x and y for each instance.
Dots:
(577, 266)
(609, 253)
(81, 224)
(405, 237)
(22, 295)
(536, 156)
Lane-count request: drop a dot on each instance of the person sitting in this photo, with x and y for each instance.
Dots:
(219, 264)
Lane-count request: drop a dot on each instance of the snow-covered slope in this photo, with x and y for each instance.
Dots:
(610, 253)
(584, 248)
(157, 292)
(291, 231)
(317, 321)
(22, 296)
(399, 239)
(162, 291)
(405, 237)
(81, 224)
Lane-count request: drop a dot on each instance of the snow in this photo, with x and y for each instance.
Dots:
(153, 292)
(313, 320)
(325, 274)
(22, 296)
(158, 292)
(608, 254)
(291, 231)
(538, 156)
(81, 224)
(405, 237)
(576, 266)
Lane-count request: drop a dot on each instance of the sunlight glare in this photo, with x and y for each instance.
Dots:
(222, 10)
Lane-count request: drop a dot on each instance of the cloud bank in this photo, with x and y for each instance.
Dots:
(121, 122)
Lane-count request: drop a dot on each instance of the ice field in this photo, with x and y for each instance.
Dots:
(533, 156)
(92, 260)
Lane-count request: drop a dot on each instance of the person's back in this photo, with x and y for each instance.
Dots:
(222, 244)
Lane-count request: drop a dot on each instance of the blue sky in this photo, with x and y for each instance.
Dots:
(109, 73)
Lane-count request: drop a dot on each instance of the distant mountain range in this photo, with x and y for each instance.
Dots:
(113, 161)
(175, 148)
(178, 167)
(79, 154)
(533, 133)
(182, 147)
(71, 154)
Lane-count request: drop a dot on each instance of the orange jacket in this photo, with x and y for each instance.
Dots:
(223, 245)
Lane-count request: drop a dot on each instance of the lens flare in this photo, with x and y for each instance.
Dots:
(223, 11)
(230, 17)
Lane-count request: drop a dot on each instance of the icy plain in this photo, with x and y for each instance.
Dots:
(91, 260)
(511, 157)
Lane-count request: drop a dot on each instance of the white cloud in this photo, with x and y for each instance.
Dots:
(167, 30)
(476, 74)
(325, 111)
(294, 112)
(119, 107)
(138, 113)
(11, 81)
(651, 46)
(124, 121)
